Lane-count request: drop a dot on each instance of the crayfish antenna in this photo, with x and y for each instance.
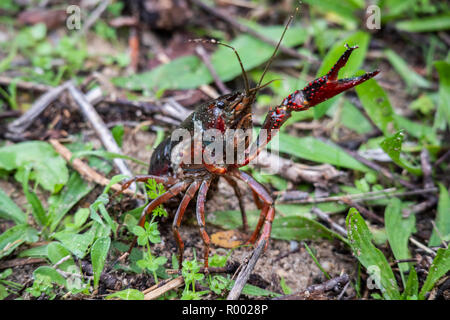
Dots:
(244, 74)
(258, 87)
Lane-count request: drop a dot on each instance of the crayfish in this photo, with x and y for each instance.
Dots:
(171, 162)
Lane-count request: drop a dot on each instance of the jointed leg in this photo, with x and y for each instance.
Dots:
(190, 193)
(267, 212)
(258, 202)
(238, 194)
(166, 181)
(201, 198)
(173, 191)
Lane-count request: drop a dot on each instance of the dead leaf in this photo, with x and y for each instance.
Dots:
(227, 239)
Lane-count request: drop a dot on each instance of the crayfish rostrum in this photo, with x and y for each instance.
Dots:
(189, 166)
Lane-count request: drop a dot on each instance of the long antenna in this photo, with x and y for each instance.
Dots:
(244, 74)
(275, 51)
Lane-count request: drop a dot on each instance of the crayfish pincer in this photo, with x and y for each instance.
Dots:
(191, 159)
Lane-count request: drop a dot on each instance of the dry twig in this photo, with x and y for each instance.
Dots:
(87, 172)
(157, 290)
(243, 276)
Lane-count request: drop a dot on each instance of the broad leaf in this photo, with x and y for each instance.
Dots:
(442, 218)
(99, 252)
(61, 204)
(127, 294)
(439, 267)
(425, 24)
(49, 168)
(376, 103)
(442, 117)
(15, 236)
(398, 230)
(313, 149)
(369, 256)
(9, 210)
(393, 146)
(411, 78)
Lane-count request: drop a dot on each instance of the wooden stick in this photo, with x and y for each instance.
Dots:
(21, 262)
(372, 195)
(102, 131)
(295, 172)
(323, 216)
(23, 122)
(87, 172)
(25, 85)
(245, 272)
(323, 287)
(159, 291)
(201, 52)
(421, 246)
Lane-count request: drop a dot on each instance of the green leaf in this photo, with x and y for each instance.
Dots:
(442, 117)
(60, 204)
(311, 254)
(369, 256)
(313, 149)
(412, 285)
(425, 24)
(189, 72)
(398, 230)
(51, 273)
(439, 267)
(9, 210)
(376, 103)
(117, 133)
(251, 290)
(411, 78)
(359, 38)
(35, 252)
(49, 168)
(442, 218)
(78, 244)
(56, 252)
(99, 252)
(15, 236)
(38, 211)
(344, 11)
(393, 146)
(351, 117)
(285, 287)
(415, 129)
(127, 294)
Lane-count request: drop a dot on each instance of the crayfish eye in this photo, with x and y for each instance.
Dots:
(220, 104)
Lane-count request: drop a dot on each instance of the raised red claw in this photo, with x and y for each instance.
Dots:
(317, 91)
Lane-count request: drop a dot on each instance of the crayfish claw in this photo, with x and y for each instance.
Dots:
(333, 73)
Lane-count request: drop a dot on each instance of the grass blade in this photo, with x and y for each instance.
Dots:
(99, 253)
(429, 24)
(369, 256)
(398, 230)
(439, 267)
(376, 103)
(442, 218)
(9, 210)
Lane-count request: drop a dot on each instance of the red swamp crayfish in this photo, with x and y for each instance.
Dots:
(170, 162)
